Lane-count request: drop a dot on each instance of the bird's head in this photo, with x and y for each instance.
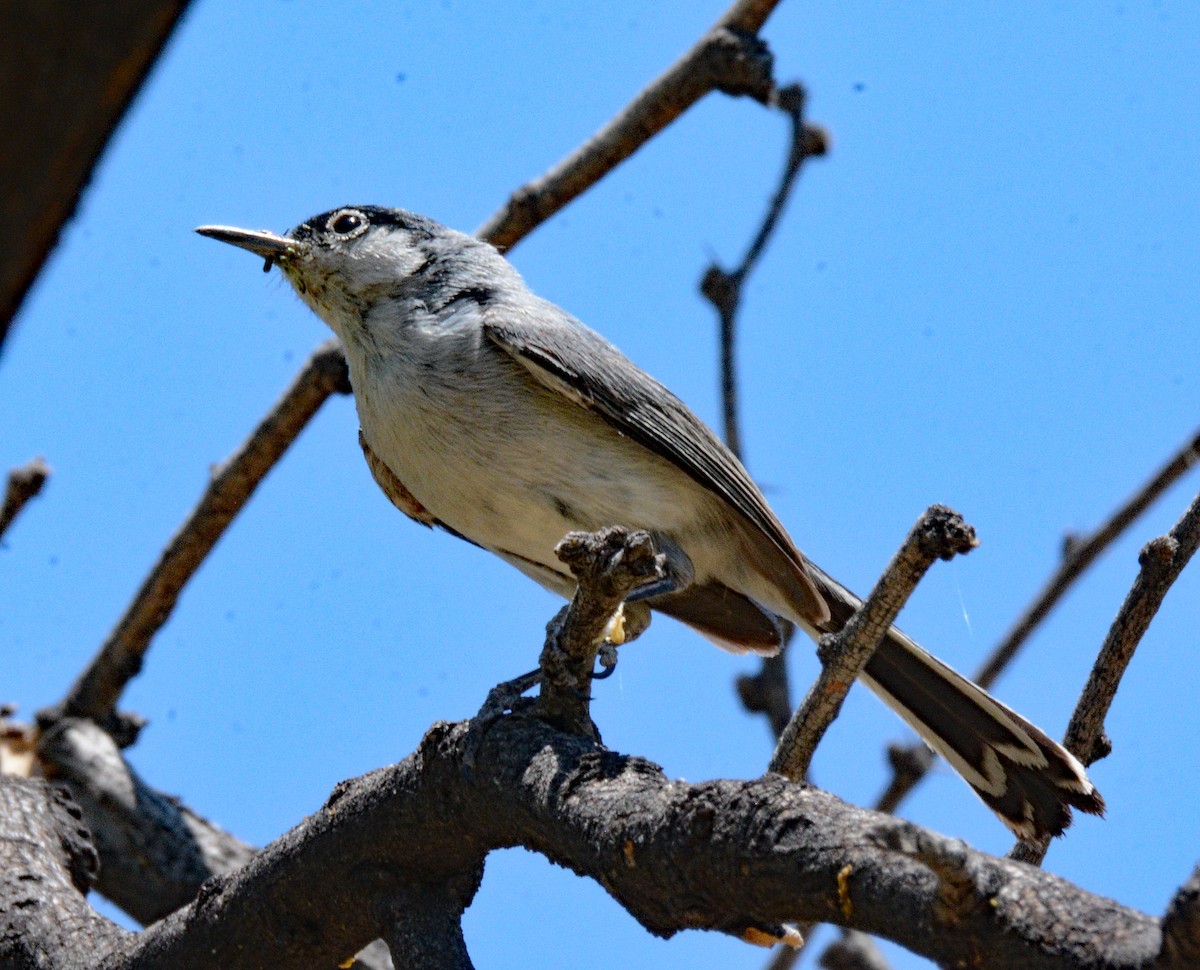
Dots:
(344, 262)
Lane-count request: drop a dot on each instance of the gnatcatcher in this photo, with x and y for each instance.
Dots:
(494, 414)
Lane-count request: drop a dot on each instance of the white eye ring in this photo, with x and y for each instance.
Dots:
(353, 221)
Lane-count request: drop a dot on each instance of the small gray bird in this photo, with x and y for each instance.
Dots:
(499, 417)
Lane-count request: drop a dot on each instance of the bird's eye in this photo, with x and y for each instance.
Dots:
(348, 223)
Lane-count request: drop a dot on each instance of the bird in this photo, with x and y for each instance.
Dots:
(495, 415)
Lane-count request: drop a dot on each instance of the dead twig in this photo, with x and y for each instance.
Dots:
(24, 483)
(723, 288)
(608, 565)
(767, 691)
(852, 951)
(939, 534)
(1080, 552)
(729, 58)
(1161, 561)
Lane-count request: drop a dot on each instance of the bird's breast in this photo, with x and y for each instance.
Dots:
(506, 462)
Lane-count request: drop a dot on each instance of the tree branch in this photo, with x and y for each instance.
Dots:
(911, 763)
(24, 483)
(723, 288)
(154, 851)
(1181, 927)
(607, 565)
(98, 689)
(729, 58)
(723, 855)
(47, 863)
(939, 534)
(1161, 561)
(68, 74)
(767, 691)
(1080, 552)
(427, 932)
(853, 951)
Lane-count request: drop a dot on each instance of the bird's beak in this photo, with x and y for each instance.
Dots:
(269, 246)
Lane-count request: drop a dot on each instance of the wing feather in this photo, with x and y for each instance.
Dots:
(577, 363)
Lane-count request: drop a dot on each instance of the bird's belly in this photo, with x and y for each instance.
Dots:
(518, 480)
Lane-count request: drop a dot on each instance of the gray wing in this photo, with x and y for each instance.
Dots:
(566, 356)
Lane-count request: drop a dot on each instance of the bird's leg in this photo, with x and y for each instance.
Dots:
(633, 615)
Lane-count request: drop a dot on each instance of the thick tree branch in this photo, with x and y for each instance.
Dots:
(97, 691)
(24, 483)
(68, 74)
(722, 855)
(47, 863)
(154, 851)
(1181, 927)
(939, 534)
(425, 927)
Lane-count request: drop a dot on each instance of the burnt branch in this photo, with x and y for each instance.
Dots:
(399, 852)
(1181, 927)
(96, 693)
(939, 534)
(910, 763)
(1161, 561)
(766, 692)
(427, 931)
(854, 951)
(24, 483)
(154, 851)
(47, 864)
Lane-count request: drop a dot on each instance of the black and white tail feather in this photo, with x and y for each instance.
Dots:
(1029, 780)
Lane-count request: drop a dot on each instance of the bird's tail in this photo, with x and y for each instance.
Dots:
(1029, 780)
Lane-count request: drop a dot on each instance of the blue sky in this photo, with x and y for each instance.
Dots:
(986, 296)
